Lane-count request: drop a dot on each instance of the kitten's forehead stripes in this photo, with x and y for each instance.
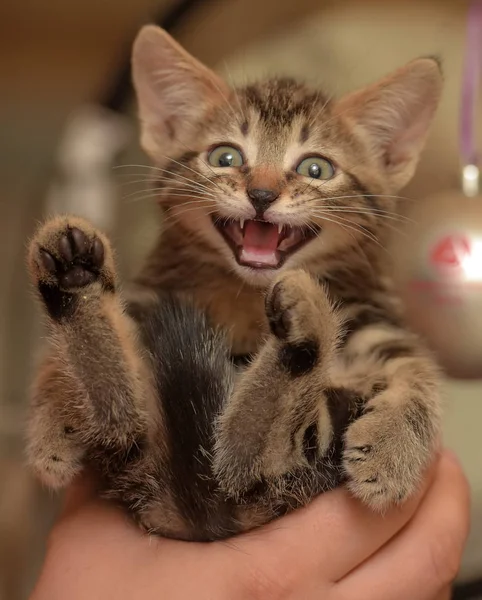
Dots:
(279, 101)
(305, 133)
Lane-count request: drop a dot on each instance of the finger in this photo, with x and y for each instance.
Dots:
(333, 535)
(445, 594)
(424, 558)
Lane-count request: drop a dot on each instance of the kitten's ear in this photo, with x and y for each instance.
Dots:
(174, 91)
(393, 116)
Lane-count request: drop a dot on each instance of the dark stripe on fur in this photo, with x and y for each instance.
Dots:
(365, 318)
(299, 359)
(390, 350)
(193, 377)
(370, 199)
(325, 472)
(241, 360)
(305, 133)
(278, 103)
(310, 443)
(344, 406)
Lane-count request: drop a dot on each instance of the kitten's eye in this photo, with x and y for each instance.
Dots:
(316, 168)
(225, 156)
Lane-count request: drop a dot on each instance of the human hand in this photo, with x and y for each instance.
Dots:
(334, 549)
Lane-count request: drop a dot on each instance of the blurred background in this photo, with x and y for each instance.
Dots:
(58, 60)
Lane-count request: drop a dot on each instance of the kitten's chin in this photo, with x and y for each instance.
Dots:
(261, 247)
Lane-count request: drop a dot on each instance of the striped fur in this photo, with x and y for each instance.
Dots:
(142, 385)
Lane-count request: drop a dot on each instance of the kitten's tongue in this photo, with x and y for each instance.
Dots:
(260, 241)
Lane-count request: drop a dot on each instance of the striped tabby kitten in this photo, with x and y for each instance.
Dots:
(277, 202)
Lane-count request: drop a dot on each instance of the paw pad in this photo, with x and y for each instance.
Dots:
(279, 317)
(68, 256)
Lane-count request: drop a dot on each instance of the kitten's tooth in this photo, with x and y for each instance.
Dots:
(280, 228)
(241, 224)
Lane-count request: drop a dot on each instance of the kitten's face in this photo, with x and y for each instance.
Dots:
(275, 175)
(274, 180)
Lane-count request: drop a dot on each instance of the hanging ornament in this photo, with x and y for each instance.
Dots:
(440, 271)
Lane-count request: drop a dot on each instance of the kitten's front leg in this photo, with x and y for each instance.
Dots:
(91, 390)
(390, 445)
(55, 450)
(278, 423)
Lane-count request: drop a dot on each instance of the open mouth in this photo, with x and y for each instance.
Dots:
(263, 245)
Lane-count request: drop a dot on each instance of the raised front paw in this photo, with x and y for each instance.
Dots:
(66, 255)
(386, 452)
(301, 316)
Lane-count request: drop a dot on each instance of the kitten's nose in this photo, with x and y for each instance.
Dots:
(261, 199)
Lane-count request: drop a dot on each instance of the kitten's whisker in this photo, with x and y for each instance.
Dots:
(192, 181)
(147, 197)
(197, 202)
(322, 109)
(383, 217)
(145, 176)
(360, 195)
(196, 199)
(180, 209)
(359, 210)
(163, 197)
(364, 211)
(241, 287)
(134, 181)
(374, 212)
(171, 220)
(152, 168)
(162, 181)
(309, 184)
(339, 225)
(233, 114)
(353, 225)
(197, 152)
(156, 197)
(159, 191)
(193, 171)
(359, 229)
(234, 90)
(211, 169)
(228, 103)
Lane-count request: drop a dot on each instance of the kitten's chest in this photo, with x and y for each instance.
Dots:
(240, 312)
(230, 303)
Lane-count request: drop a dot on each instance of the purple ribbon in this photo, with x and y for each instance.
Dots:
(470, 85)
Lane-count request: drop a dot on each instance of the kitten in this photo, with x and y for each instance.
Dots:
(276, 202)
